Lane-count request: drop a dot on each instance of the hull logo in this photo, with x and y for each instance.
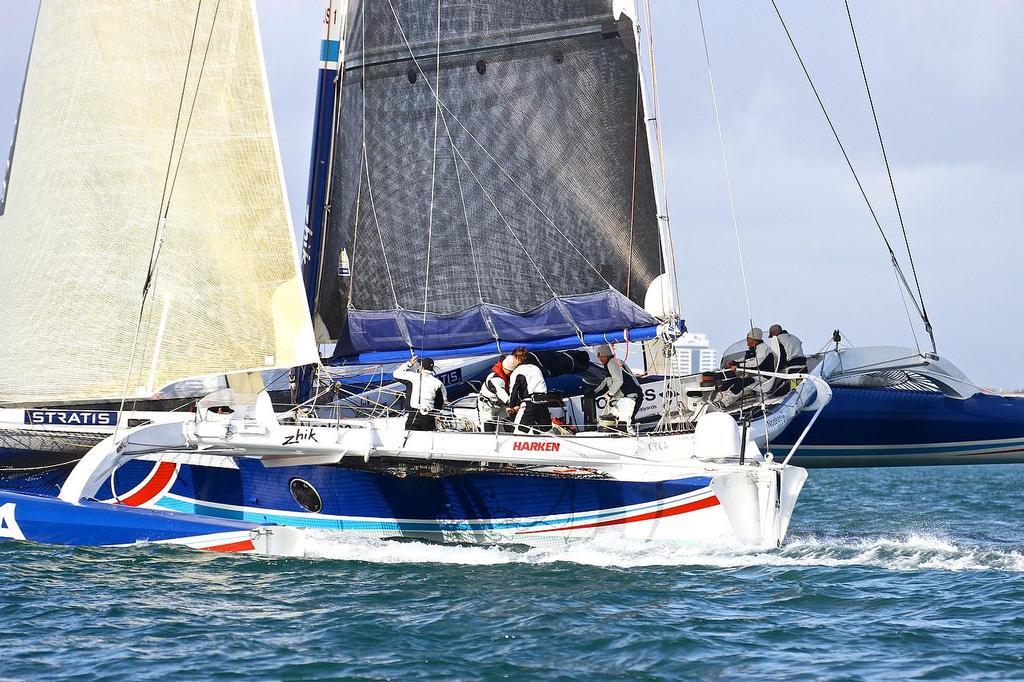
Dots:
(528, 446)
(70, 418)
(451, 377)
(8, 525)
(301, 435)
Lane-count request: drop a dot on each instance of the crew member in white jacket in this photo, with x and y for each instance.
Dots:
(794, 359)
(426, 394)
(758, 358)
(621, 385)
(492, 401)
(528, 395)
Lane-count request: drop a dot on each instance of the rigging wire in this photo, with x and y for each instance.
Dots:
(433, 164)
(725, 164)
(446, 109)
(910, 321)
(632, 195)
(732, 209)
(484, 312)
(506, 223)
(369, 184)
(892, 184)
(355, 236)
(174, 181)
(677, 302)
(849, 164)
(161, 214)
(328, 183)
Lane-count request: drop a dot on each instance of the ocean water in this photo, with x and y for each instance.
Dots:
(886, 574)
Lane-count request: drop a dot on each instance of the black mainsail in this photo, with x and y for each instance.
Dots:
(491, 178)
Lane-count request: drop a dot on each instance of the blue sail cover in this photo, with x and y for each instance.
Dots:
(491, 182)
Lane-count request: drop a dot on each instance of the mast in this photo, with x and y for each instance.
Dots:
(639, 12)
(332, 49)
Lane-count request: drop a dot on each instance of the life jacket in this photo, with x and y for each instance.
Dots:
(499, 369)
(487, 391)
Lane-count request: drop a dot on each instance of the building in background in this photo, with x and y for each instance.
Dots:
(694, 354)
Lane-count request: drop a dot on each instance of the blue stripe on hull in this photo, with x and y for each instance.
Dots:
(446, 499)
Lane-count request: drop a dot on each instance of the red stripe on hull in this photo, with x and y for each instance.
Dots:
(242, 546)
(656, 514)
(153, 487)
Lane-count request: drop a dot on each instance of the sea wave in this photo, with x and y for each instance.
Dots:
(906, 553)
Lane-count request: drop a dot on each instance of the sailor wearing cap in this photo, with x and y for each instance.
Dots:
(757, 358)
(621, 386)
(793, 358)
(426, 394)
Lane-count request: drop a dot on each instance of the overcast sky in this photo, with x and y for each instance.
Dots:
(946, 77)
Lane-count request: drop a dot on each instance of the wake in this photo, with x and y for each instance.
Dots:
(907, 553)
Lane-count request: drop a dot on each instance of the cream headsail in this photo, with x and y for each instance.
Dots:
(134, 110)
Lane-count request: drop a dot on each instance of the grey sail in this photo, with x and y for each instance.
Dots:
(517, 205)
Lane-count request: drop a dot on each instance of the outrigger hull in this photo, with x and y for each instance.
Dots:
(47, 520)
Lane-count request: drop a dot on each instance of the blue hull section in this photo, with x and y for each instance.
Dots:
(382, 502)
(880, 427)
(49, 520)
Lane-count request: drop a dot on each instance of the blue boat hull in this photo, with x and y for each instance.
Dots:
(48, 520)
(884, 427)
(470, 506)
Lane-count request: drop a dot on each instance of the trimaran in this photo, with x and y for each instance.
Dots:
(484, 177)
(527, 134)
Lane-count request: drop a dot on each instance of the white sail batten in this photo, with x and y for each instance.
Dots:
(104, 122)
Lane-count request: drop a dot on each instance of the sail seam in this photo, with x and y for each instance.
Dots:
(482, 48)
(725, 164)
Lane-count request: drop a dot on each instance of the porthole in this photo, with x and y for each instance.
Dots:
(411, 75)
(306, 495)
(481, 67)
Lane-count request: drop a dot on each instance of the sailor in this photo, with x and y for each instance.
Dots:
(793, 359)
(757, 358)
(528, 394)
(492, 401)
(425, 394)
(620, 385)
